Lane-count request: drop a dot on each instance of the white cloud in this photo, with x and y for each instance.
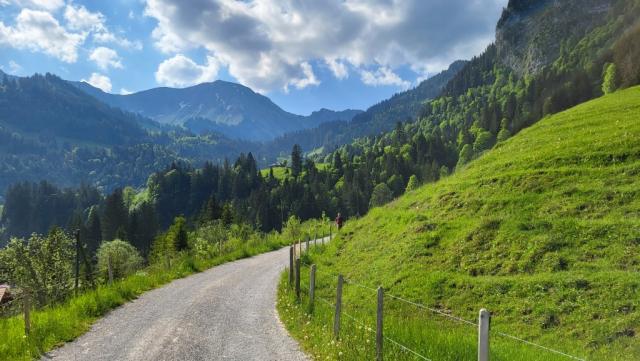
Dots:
(12, 68)
(264, 43)
(105, 58)
(124, 91)
(181, 71)
(50, 5)
(99, 81)
(308, 78)
(39, 31)
(81, 19)
(107, 37)
(383, 76)
(339, 69)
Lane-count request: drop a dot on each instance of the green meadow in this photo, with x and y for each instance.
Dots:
(543, 231)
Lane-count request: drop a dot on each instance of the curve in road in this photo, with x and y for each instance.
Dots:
(225, 313)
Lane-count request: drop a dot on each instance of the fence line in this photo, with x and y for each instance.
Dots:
(436, 311)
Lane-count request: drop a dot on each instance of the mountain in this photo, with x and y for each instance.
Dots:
(541, 231)
(381, 117)
(51, 130)
(528, 33)
(228, 108)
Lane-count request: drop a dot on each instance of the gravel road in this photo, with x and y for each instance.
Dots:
(225, 313)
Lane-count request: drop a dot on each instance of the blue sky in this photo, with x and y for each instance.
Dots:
(303, 54)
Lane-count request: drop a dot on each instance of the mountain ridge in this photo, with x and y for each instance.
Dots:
(230, 108)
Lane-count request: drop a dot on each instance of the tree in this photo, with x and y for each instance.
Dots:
(114, 217)
(610, 78)
(296, 160)
(177, 234)
(94, 230)
(413, 183)
(465, 155)
(503, 135)
(212, 210)
(381, 195)
(484, 141)
(120, 256)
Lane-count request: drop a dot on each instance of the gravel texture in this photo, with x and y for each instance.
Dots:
(225, 313)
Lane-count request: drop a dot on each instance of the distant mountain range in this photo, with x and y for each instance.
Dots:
(70, 132)
(227, 108)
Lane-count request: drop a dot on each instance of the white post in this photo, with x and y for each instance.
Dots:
(484, 324)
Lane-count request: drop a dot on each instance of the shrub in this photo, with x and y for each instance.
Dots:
(124, 259)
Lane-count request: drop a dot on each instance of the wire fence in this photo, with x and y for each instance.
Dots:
(444, 314)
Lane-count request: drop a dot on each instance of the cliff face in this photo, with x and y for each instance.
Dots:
(529, 33)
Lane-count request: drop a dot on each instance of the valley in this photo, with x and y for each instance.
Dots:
(183, 220)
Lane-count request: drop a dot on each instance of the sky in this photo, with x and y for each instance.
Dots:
(303, 54)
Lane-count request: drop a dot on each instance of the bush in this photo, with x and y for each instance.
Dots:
(124, 259)
(42, 265)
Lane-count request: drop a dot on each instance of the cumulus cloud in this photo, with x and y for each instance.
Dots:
(99, 81)
(105, 58)
(339, 69)
(49, 5)
(383, 76)
(265, 43)
(181, 71)
(38, 30)
(79, 18)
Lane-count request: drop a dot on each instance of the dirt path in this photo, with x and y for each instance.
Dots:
(225, 313)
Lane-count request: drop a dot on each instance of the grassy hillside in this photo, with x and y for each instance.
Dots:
(543, 230)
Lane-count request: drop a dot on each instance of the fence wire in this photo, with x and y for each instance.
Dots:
(445, 315)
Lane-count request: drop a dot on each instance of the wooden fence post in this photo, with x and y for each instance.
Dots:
(336, 317)
(110, 269)
(330, 236)
(484, 324)
(77, 261)
(307, 244)
(379, 325)
(27, 313)
(312, 288)
(298, 279)
(291, 256)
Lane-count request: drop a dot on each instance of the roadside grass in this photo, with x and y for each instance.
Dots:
(54, 325)
(543, 231)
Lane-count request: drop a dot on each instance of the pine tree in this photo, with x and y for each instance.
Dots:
(115, 216)
(296, 160)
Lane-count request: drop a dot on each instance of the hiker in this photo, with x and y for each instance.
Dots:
(339, 221)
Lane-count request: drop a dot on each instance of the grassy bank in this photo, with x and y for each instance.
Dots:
(542, 230)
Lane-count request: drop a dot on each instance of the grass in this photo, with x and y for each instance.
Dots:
(543, 231)
(54, 325)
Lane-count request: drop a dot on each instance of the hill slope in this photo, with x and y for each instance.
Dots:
(231, 109)
(543, 230)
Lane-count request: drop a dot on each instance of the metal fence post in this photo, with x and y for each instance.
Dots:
(336, 317)
(27, 313)
(298, 279)
(291, 256)
(379, 325)
(484, 324)
(312, 288)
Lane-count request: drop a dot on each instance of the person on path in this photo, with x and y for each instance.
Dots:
(339, 221)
